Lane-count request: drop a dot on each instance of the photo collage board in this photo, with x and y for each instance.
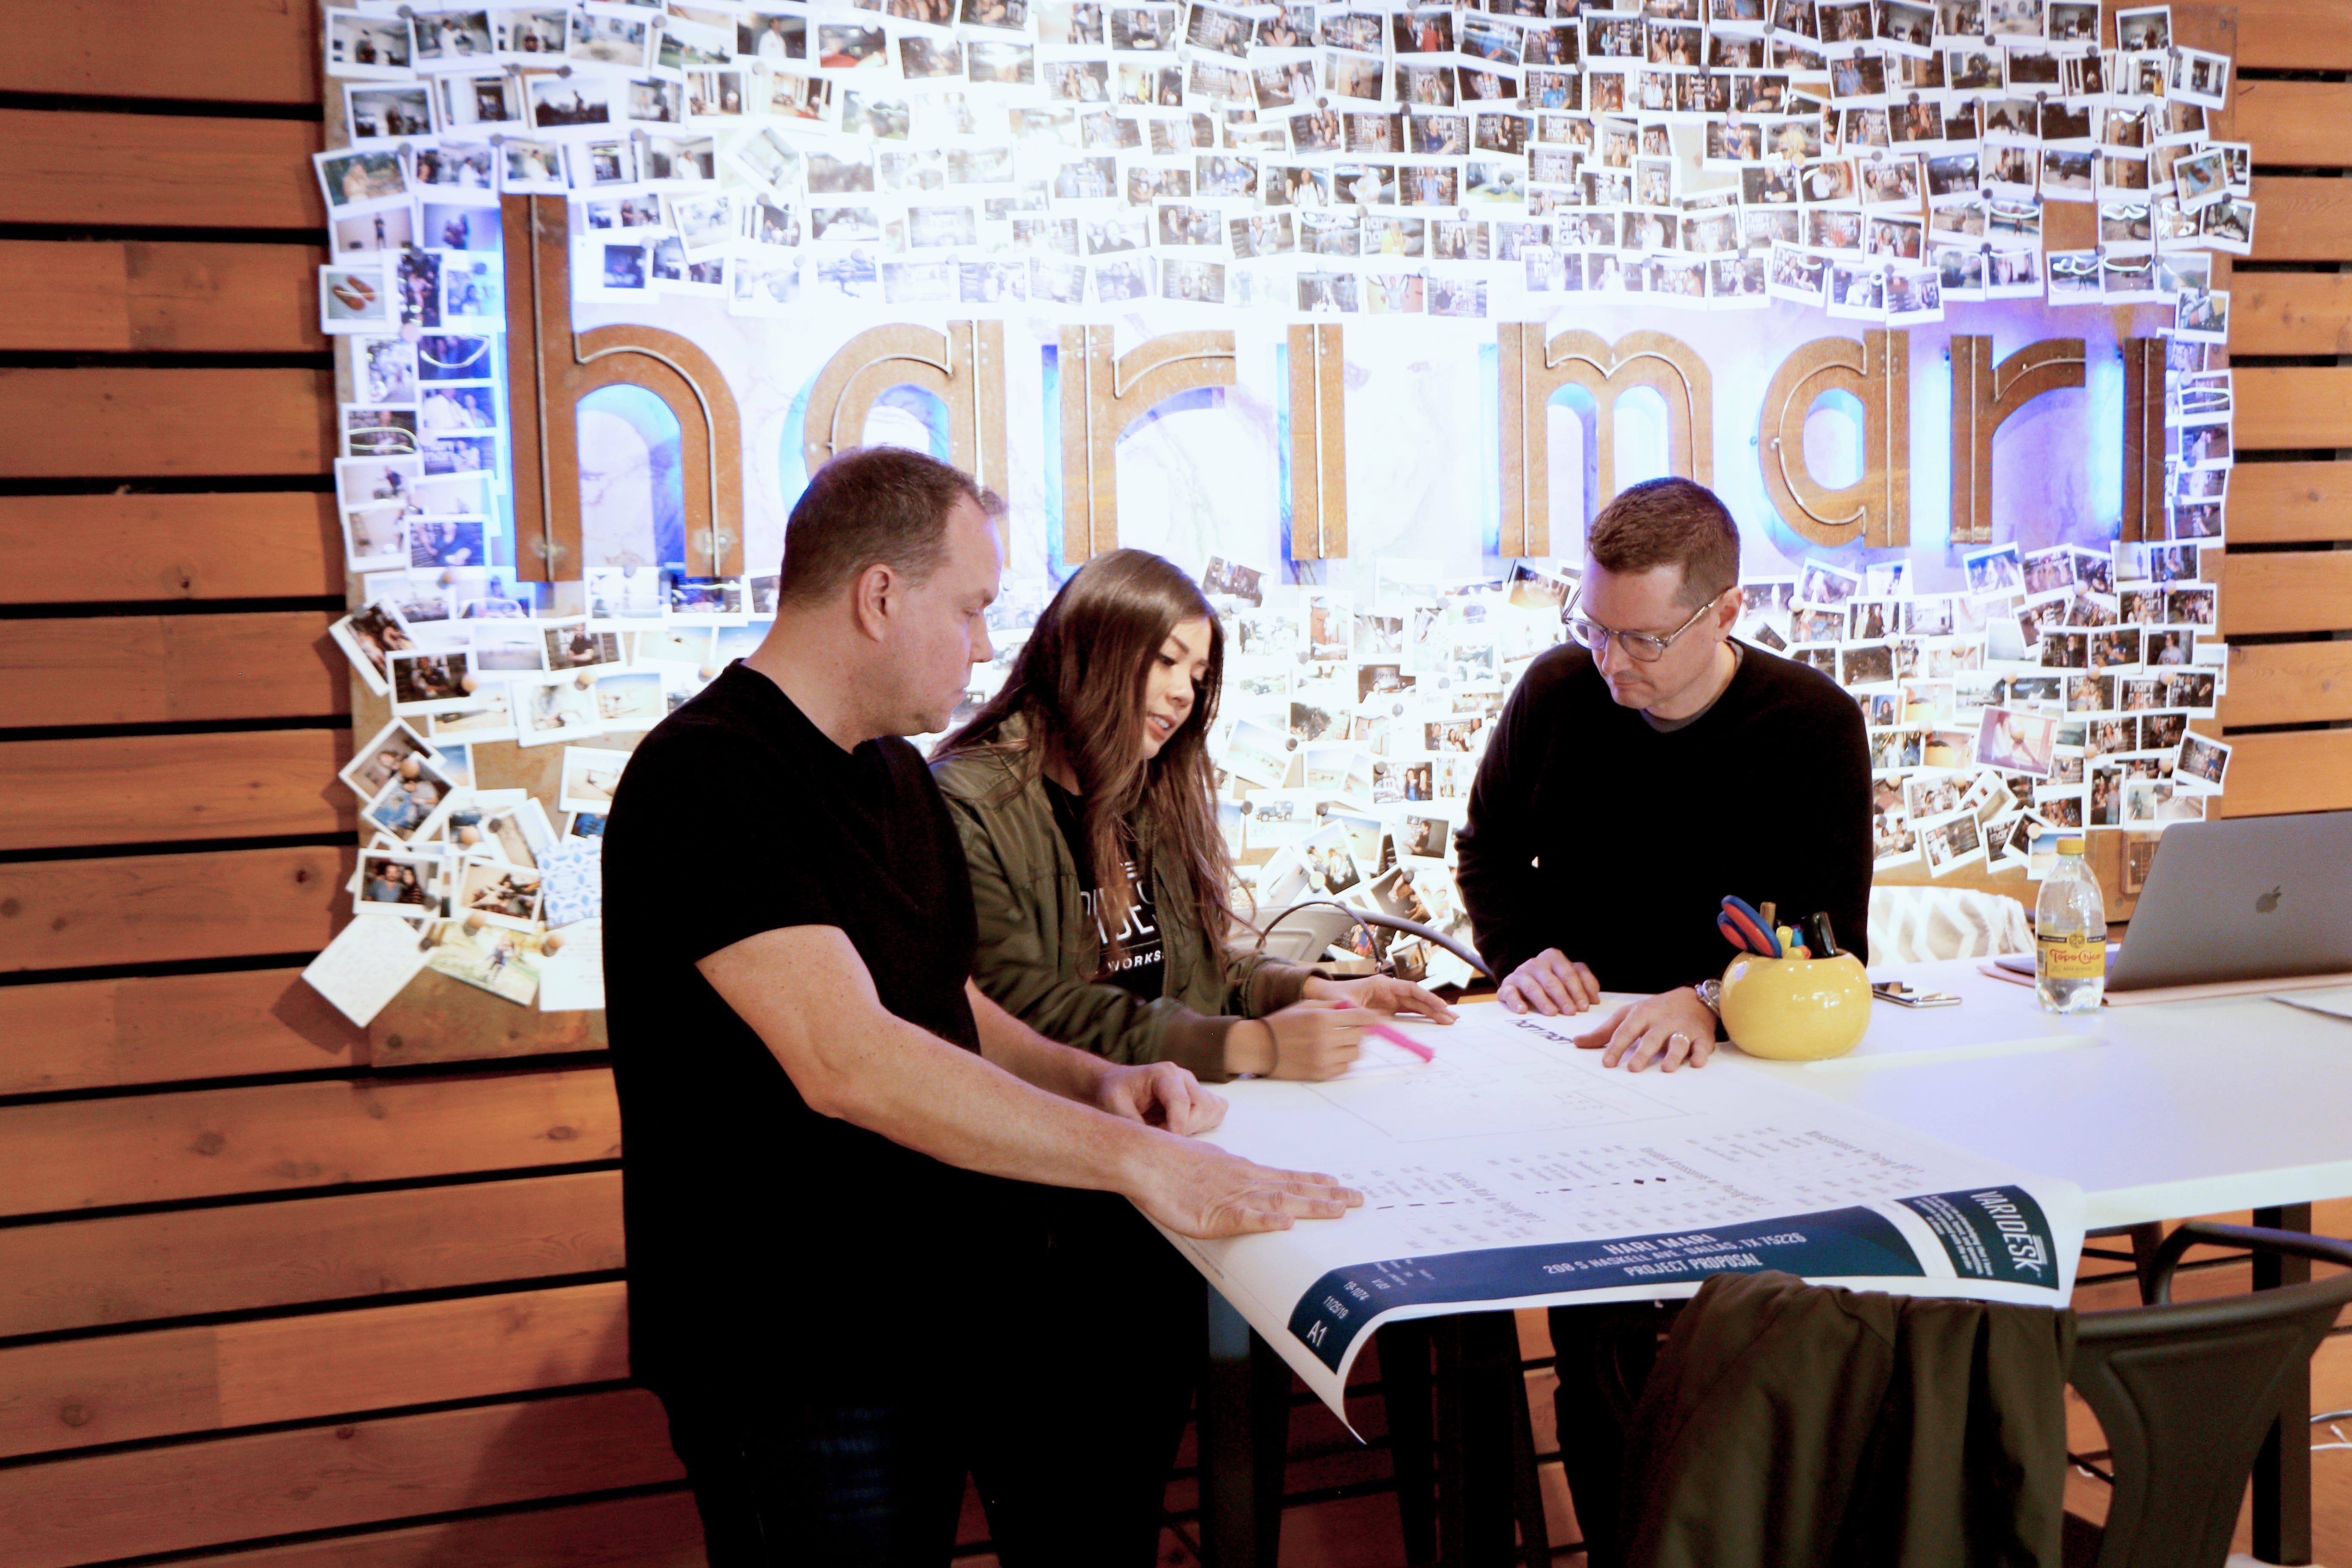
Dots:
(2048, 691)
(1881, 160)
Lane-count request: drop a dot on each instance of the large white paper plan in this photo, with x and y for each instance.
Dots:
(370, 962)
(1516, 1171)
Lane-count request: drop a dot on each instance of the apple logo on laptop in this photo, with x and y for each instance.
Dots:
(2269, 902)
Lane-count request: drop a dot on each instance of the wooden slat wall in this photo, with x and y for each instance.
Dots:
(290, 1296)
(2286, 600)
(260, 1277)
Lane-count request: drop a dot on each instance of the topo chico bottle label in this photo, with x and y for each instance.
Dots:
(2077, 955)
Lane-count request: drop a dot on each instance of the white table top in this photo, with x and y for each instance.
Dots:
(2157, 1111)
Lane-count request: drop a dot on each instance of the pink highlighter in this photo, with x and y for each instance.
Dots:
(1397, 1037)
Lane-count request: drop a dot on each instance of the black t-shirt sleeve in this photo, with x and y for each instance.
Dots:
(762, 882)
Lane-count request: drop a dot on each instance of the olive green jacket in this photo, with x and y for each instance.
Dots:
(1039, 951)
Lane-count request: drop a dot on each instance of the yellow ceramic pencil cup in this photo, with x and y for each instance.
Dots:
(1796, 1009)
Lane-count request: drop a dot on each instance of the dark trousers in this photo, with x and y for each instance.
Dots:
(1603, 1355)
(1063, 1396)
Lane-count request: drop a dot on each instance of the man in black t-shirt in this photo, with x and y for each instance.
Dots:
(1647, 768)
(834, 1247)
(1637, 775)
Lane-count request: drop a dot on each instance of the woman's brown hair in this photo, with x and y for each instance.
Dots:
(1079, 683)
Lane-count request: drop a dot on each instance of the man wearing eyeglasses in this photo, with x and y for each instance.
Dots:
(1648, 767)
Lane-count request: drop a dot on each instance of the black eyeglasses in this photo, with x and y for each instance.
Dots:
(1646, 646)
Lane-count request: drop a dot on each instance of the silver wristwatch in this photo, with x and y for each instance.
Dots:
(1711, 993)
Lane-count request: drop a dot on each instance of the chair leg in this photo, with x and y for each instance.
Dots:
(1527, 1489)
(2145, 1240)
(2282, 1478)
(1405, 1391)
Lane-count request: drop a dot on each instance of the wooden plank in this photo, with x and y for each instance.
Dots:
(2307, 770)
(108, 548)
(240, 299)
(2293, 35)
(2290, 503)
(121, 1388)
(248, 1256)
(2286, 591)
(133, 789)
(2291, 313)
(148, 670)
(164, 908)
(186, 1496)
(2295, 124)
(660, 1530)
(117, 1034)
(248, 51)
(284, 1138)
(2301, 219)
(60, 297)
(109, 423)
(2289, 683)
(170, 170)
(2294, 405)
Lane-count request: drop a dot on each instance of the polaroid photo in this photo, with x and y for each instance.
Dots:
(1997, 569)
(368, 48)
(631, 699)
(570, 645)
(411, 805)
(393, 751)
(505, 963)
(374, 231)
(624, 598)
(356, 296)
(530, 168)
(369, 635)
(2017, 741)
(1258, 754)
(496, 894)
(490, 719)
(705, 601)
(1823, 585)
(359, 179)
(561, 709)
(2227, 226)
(2202, 764)
(431, 680)
(2203, 318)
(477, 104)
(392, 882)
(2198, 77)
(1952, 846)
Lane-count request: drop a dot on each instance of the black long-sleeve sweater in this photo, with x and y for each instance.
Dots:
(1593, 832)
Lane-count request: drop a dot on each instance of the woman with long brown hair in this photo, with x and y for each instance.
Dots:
(1084, 796)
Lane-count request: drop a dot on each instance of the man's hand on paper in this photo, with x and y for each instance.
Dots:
(1549, 984)
(1160, 1094)
(1199, 1190)
(1381, 994)
(1670, 1028)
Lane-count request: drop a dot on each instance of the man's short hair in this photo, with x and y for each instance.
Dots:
(1669, 522)
(873, 506)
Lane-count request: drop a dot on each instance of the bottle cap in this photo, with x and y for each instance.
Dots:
(2070, 847)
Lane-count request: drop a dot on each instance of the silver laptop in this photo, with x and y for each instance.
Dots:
(2257, 898)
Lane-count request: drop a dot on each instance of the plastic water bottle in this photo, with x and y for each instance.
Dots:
(2070, 936)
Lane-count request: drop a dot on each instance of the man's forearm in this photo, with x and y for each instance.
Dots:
(1030, 1057)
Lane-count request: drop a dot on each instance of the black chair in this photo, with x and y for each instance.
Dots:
(2187, 1394)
